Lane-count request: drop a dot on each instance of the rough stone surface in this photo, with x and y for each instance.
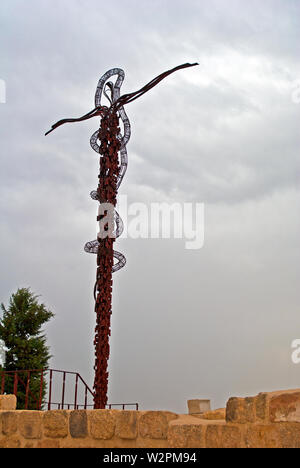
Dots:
(154, 424)
(186, 436)
(218, 414)
(48, 443)
(234, 409)
(281, 406)
(250, 414)
(198, 406)
(9, 422)
(30, 424)
(10, 442)
(231, 437)
(31, 444)
(269, 420)
(126, 425)
(55, 424)
(289, 434)
(213, 436)
(285, 407)
(151, 443)
(102, 423)
(8, 402)
(78, 424)
(241, 410)
(262, 435)
(261, 406)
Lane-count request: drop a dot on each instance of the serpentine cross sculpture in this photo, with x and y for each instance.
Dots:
(109, 142)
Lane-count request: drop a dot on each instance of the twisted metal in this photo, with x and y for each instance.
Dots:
(108, 142)
(114, 90)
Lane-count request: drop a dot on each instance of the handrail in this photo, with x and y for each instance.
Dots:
(84, 383)
(43, 383)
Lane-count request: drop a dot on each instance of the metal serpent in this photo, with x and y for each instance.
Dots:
(110, 144)
(114, 90)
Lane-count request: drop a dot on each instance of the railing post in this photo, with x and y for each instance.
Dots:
(15, 383)
(85, 399)
(50, 389)
(63, 391)
(27, 389)
(76, 386)
(2, 382)
(41, 390)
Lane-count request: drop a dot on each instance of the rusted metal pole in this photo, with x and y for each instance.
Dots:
(2, 382)
(76, 387)
(15, 383)
(27, 389)
(63, 391)
(50, 390)
(41, 390)
(107, 193)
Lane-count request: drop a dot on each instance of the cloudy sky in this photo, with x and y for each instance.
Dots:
(210, 323)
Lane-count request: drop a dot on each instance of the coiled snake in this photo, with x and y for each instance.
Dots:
(112, 170)
(114, 89)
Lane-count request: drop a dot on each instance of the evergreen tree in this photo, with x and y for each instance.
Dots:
(20, 329)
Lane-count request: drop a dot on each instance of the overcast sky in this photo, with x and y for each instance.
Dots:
(208, 323)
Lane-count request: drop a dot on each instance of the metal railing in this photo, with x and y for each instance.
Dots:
(50, 393)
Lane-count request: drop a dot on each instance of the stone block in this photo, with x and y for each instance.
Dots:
(10, 442)
(213, 436)
(186, 436)
(78, 424)
(262, 436)
(198, 406)
(9, 422)
(231, 436)
(261, 406)
(218, 414)
(8, 402)
(240, 410)
(30, 424)
(102, 423)
(126, 424)
(289, 434)
(30, 445)
(55, 424)
(154, 424)
(285, 407)
(48, 443)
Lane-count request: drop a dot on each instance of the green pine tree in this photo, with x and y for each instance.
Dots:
(21, 331)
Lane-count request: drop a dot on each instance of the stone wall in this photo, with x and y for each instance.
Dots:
(84, 428)
(265, 421)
